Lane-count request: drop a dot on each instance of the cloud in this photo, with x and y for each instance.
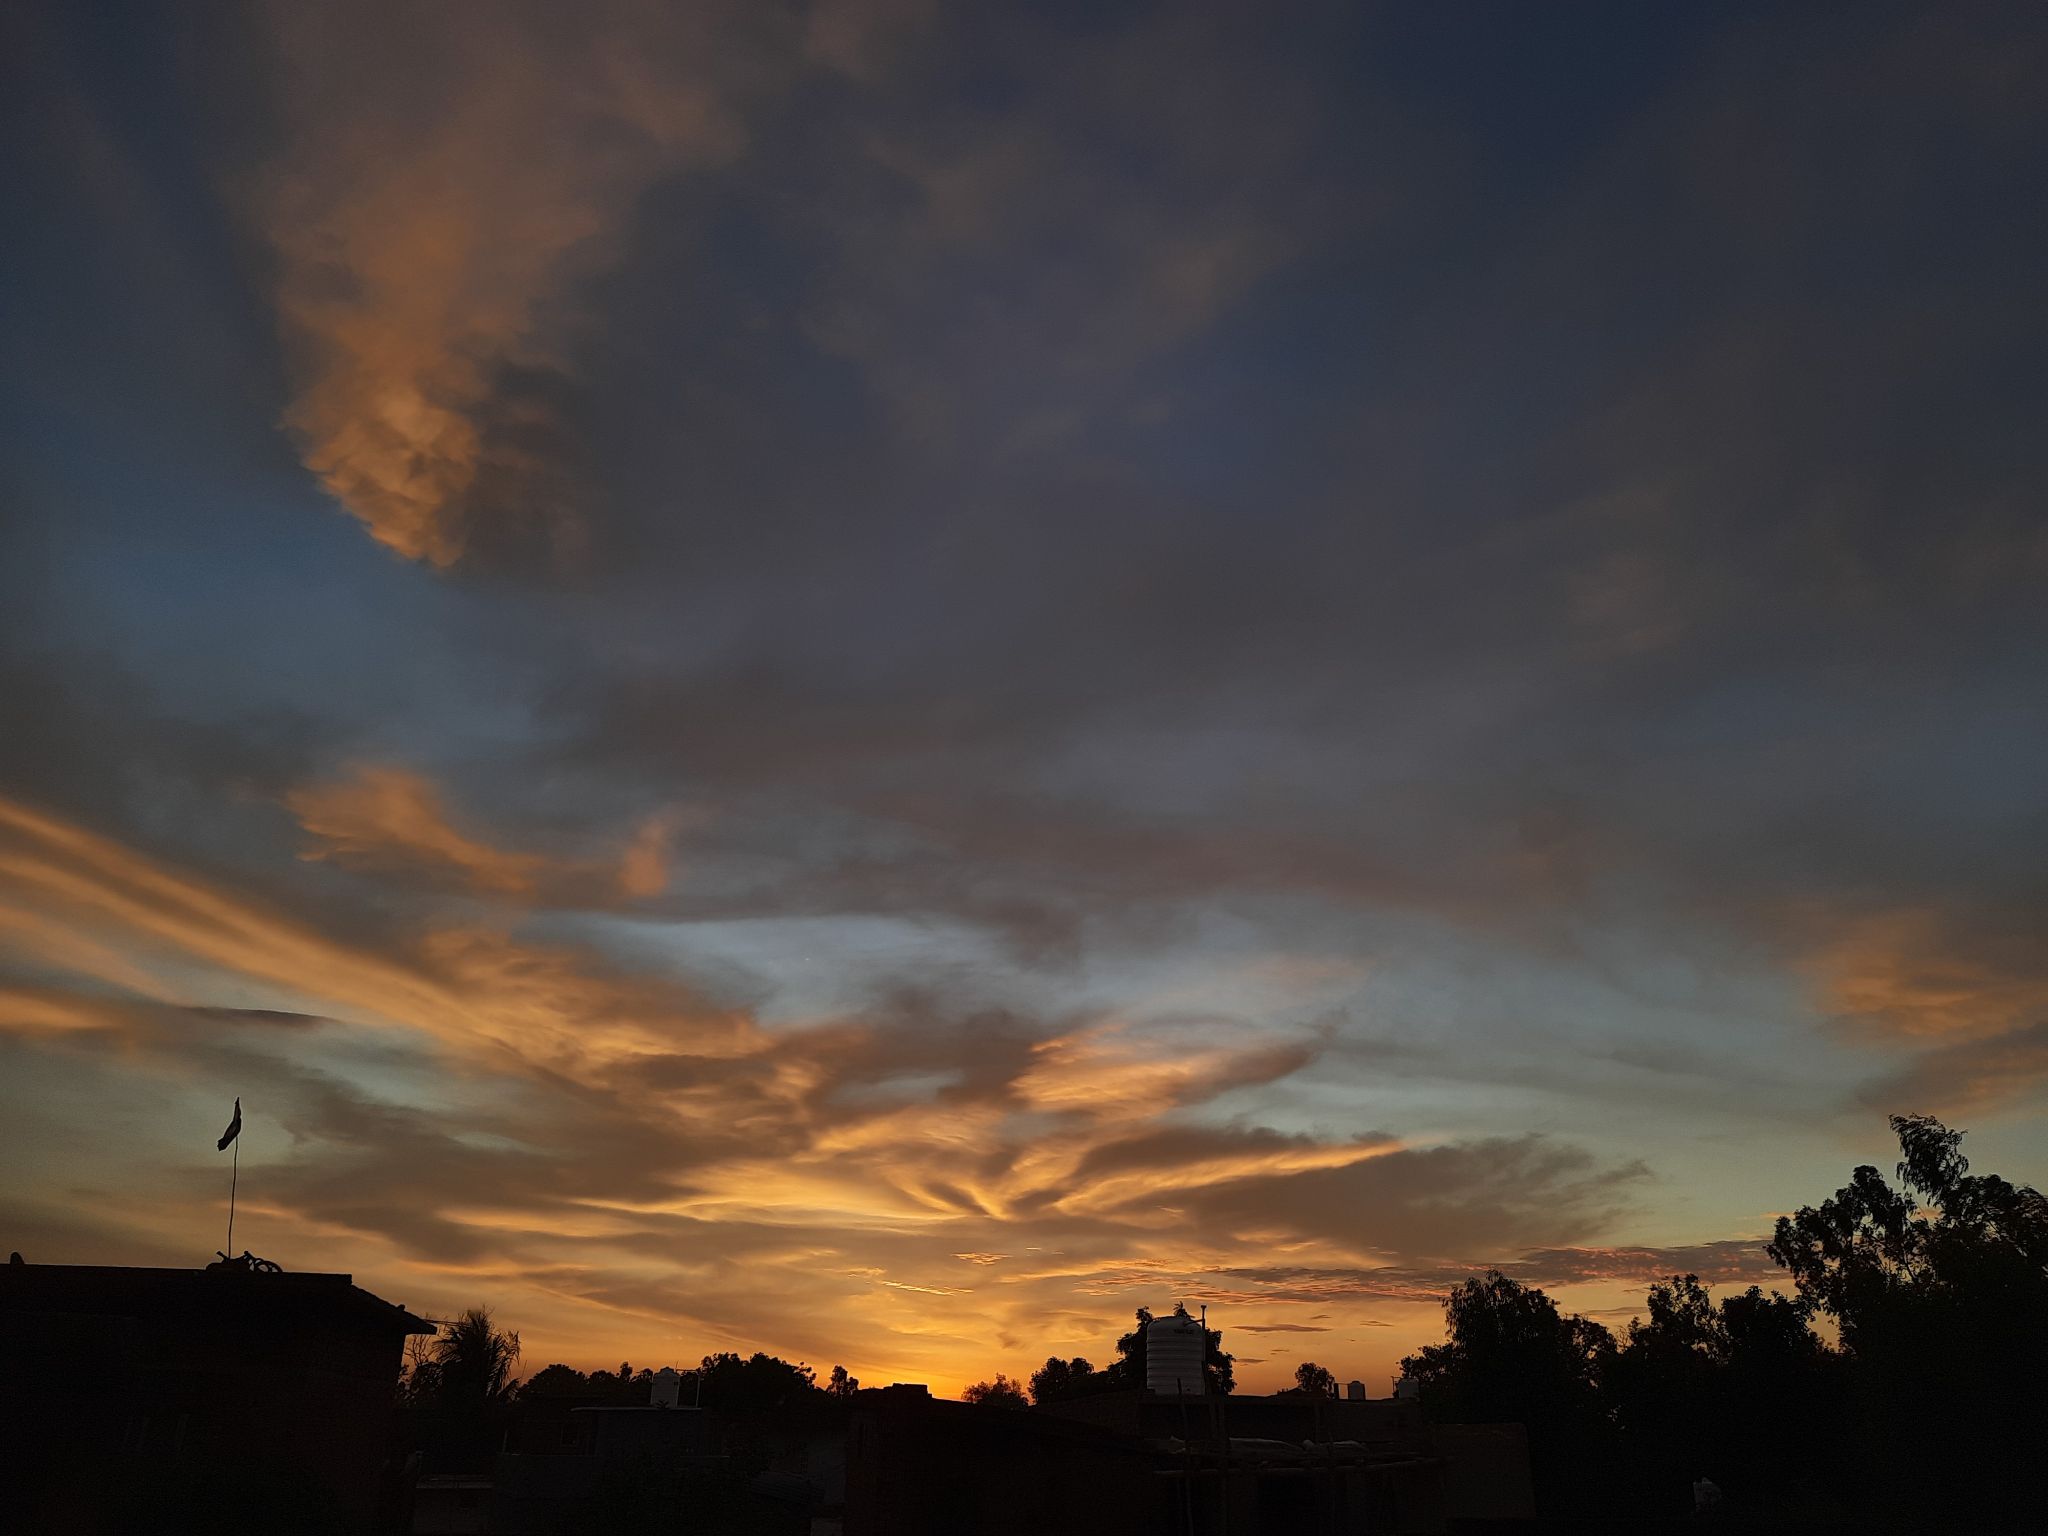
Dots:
(384, 817)
(645, 869)
(474, 989)
(1439, 1201)
(1109, 1072)
(1733, 1261)
(391, 821)
(442, 185)
(1973, 1076)
(1931, 973)
(475, 1110)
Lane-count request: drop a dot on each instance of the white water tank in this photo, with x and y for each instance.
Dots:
(667, 1389)
(1175, 1349)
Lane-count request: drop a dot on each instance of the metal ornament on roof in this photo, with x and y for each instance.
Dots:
(248, 1263)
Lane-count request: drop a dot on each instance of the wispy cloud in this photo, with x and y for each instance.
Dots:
(383, 817)
(442, 186)
(392, 821)
(599, 1126)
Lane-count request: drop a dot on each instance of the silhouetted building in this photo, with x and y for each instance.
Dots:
(604, 1467)
(917, 1465)
(1132, 1463)
(142, 1399)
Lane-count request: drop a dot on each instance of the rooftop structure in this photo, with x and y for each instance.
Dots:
(125, 1390)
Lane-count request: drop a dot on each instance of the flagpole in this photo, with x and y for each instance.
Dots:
(234, 1179)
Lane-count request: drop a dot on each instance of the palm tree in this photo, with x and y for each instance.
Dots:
(468, 1365)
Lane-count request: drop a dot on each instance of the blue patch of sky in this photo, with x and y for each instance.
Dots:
(799, 970)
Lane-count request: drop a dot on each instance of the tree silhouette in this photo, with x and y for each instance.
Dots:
(467, 1368)
(1940, 1292)
(1510, 1350)
(1128, 1369)
(1059, 1381)
(999, 1393)
(554, 1381)
(1872, 1254)
(1920, 1420)
(758, 1383)
(1219, 1370)
(842, 1385)
(1682, 1409)
(1513, 1357)
(1315, 1380)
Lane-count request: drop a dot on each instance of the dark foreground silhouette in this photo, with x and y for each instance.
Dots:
(1895, 1389)
(1921, 1417)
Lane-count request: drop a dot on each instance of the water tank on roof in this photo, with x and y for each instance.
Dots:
(1174, 1351)
(667, 1391)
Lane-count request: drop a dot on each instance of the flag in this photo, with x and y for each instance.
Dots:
(234, 1128)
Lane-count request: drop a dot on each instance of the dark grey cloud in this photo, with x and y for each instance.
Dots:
(1726, 1262)
(1441, 1200)
(1966, 1079)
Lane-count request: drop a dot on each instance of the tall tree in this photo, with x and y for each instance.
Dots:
(1939, 1288)
(1059, 1380)
(1128, 1369)
(1513, 1357)
(554, 1381)
(999, 1393)
(1872, 1254)
(758, 1383)
(1315, 1380)
(470, 1366)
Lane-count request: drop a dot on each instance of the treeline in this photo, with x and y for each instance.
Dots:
(757, 1383)
(471, 1367)
(463, 1401)
(1922, 1413)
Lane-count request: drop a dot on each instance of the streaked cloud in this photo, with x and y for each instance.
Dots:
(443, 184)
(563, 1162)
(383, 817)
(392, 821)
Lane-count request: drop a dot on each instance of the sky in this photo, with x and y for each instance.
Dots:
(878, 680)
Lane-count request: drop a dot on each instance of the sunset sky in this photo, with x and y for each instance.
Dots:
(879, 680)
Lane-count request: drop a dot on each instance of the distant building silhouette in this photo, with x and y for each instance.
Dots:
(662, 1465)
(1134, 1463)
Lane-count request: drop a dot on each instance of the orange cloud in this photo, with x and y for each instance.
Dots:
(1109, 1073)
(644, 871)
(622, 1168)
(473, 990)
(1918, 973)
(387, 816)
(442, 183)
(383, 819)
